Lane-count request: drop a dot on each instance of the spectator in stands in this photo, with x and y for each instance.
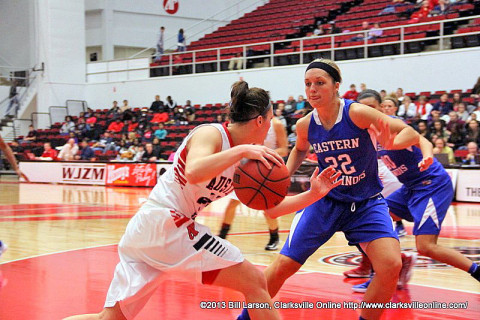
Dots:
(105, 143)
(160, 117)
(441, 7)
(351, 94)
(290, 106)
(182, 42)
(292, 137)
(375, 32)
(132, 125)
(456, 99)
(319, 31)
(236, 62)
(160, 133)
(189, 111)
(462, 112)
(280, 117)
(150, 155)
(86, 152)
(423, 107)
(399, 94)
(454, 120)
(383, 94)
(123, 150)
(81, 128)
(423, 129)
(472, 132)
(148, 136)
(125, 106)
(157, 105)
(171, 104)
(179, 115)
(422, 13)
(32, 134)
(444, 106)
(67, 126)
(457, 136)
(300, 105)
(91, 120)
(472, 157)
(115, 109)
(334, 29)
(219, 118)
(363, 87)
(69, 150)
(160, 43)
(156, 146)
(73, 135)
(441, 147)
(48, 153)
(116, 126)
(439, 130)
(407, 109)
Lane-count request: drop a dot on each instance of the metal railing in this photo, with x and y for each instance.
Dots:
(301, 50)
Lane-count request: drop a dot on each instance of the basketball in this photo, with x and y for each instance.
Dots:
(258, 187)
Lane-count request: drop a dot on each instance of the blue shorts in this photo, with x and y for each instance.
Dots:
(426, 206)
(360, 222)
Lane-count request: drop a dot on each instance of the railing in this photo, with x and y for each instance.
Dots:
(335, 47)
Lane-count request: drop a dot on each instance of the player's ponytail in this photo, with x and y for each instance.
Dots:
(247, 104)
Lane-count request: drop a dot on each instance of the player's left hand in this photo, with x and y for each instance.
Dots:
(21, 174)
(425, 163)
(384, 136)
(322, 183)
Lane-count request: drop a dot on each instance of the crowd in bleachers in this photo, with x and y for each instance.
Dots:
(450, 120)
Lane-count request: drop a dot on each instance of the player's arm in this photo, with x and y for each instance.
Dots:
(320, 186)
(301, 147)
(205, 159)
(393, 134)
(281, 134)
(11, 158)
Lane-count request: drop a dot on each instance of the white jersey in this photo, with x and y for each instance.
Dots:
(271, 139)
(174, 191)
(389, 181)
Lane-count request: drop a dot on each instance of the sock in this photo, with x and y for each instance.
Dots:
(361, 318)
(475, 271)
(399, 223)
(244, 315)
(274, 234)
(224, 231)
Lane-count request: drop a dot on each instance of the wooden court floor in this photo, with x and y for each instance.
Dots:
(62, 253)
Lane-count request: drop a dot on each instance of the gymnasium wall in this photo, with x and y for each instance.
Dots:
(433, 71)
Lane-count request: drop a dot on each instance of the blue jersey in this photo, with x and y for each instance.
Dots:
(350, 150)
(404, 165)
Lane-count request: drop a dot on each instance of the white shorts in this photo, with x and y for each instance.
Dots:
(389, 181)
(159, 241)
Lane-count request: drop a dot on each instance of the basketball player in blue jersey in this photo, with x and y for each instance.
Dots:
(338, 131)
(423, 199)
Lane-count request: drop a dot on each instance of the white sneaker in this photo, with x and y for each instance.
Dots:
(3, 247)
(408, 261)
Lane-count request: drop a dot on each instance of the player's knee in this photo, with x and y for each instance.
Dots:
(390, 265)
(284, 267)
(255, 281)
(425, 248)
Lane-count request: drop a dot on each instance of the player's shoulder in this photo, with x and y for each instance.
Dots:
(304, 122)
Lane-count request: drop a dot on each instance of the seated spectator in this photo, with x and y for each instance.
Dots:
(179, 115)
(148, 136)
(157, 105)
(236, 62)
(292, 137)
(92, 119)
(171, 104)
(454, 120)
(407, 109)
(280, 117)
(125, 106)
(383, 94)
(472, 156)
(73, 135)
(32, 134)
(156, 146)
(301, 106)
(189, 111)
(116, 126)
(462, 112)
(139, 152)
(423, 108)
(319, 31)
(375, 32)
(150, 154)
(473, 132)
(456, 99)
(105, 143)
(363, 87)
(81, 128)
(351, 94)
(424, 131)
(48, 152)
(421, 14)
(290, 106)
(457, 136)
(89, 113)
(67, 126)
(441, 147)
(440, 8)
(69, 150)
(444, 106)
(160, 133)
(86, 153)
(334, 29)
(439, 130)
(219, 118)
(399, 94)
(132, 125)
(115, 109)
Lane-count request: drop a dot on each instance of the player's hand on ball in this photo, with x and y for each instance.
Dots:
(322, 183)
(425, 163)
(262, 153)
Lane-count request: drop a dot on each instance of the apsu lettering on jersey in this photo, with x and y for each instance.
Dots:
(223, 185)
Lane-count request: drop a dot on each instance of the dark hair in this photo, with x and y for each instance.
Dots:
(369, 93)
(247, 104)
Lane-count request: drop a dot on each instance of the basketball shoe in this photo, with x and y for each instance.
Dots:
(362, 287)
(408, 261)
(364, 270)
(3, 247)
(272, 245)
(400, 230)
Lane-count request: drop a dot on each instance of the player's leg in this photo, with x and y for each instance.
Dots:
(250, 281)
(228, 217)
(273, 231)
(427, 246)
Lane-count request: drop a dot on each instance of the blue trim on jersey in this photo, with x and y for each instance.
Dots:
(352, 151)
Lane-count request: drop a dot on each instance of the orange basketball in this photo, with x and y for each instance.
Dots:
(258, 187)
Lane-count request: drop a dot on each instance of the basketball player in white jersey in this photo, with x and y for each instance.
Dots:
(163, 236)
(277, 140)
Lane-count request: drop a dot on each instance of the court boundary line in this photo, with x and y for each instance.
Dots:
(257, 264)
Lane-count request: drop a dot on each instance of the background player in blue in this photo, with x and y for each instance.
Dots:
(424, 197)
(338, 131)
